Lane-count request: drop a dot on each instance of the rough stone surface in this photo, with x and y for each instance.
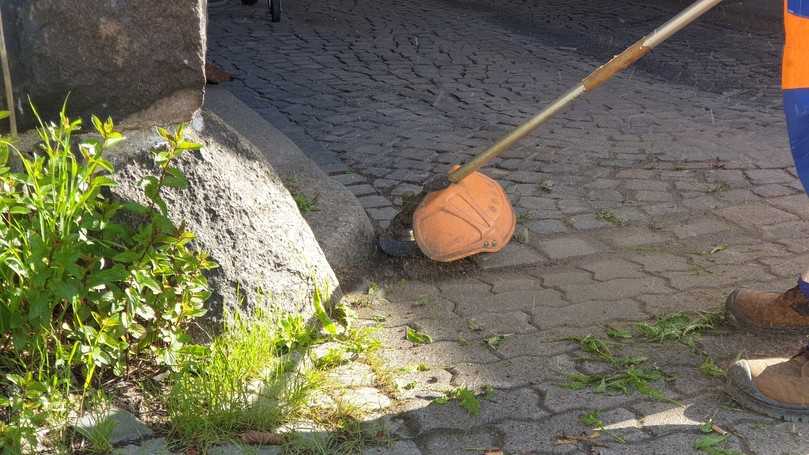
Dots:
(241, 214)
(114, 58)
(339, 222)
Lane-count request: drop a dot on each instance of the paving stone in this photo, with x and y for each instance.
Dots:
(786, 231)
(398, 448)
(760, 176)
(797, 204)
(775, 438)
(547, 227)
(515, 372)
(613, 268)
(618, 289)
(442, 353)
(506, 282)
(374, 201)
(386, 213)
(540, 437)
(444, 443)
(589, 313)
(402, 312)
(409, 290)
(366, 399)
(650, 185)
(700, 226)
(562, 279)
(349, 179)
(661, 262)
(362, 190)
(513, 255)
(587, 222)
(773, 190)
(525, 300)
(716, 275)
(126, 426)
(654, 196)
(567, 247)
(521, 403)
(354, 374)
(691, 300)
(756, 214)
(634, 236)
(674, 444)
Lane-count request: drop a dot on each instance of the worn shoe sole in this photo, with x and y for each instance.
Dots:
(742, 322)
(749, 402)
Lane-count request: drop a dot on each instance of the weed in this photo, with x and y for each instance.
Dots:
(305, 204)
(465, 398)
(710, 369)
(98, 435)
(608, 216)
(416, 337)
(493, 342)
(474, 325)
(592, 419)
(718, 188)
(422, 367)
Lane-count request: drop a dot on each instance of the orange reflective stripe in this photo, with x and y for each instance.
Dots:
(795, 73)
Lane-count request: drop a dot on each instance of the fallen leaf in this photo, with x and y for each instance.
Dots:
(262, 438)
(493, 452)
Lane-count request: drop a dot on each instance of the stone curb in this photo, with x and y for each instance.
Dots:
(339, 222)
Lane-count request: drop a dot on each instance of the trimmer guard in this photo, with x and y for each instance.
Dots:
(469, 217)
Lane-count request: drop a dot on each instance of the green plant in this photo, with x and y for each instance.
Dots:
(414, 336)
(305, 204)
(465, 398)
(592, 419)
(608, 216)
(247, 378)
(88, 284)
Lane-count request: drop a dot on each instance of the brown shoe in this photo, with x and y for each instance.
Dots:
(787, 312)
(775, 387)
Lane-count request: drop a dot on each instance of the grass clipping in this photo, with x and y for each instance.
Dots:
(630, 374)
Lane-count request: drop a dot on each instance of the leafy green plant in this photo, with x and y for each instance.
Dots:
(592, 419)
(465, 398)
(305, 204)
(88, 284)
(608, 216)
(414, 336)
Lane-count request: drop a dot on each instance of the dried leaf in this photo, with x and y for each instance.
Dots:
(262, 438)
(493, 452)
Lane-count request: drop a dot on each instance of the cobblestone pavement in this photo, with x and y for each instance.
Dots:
(656, 194)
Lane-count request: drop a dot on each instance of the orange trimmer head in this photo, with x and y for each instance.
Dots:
(466, 213)
(469, 217)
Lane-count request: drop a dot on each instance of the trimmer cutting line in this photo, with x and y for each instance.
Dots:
(465, 213)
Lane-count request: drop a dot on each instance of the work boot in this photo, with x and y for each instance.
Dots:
(775, 387)
(786, 312)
